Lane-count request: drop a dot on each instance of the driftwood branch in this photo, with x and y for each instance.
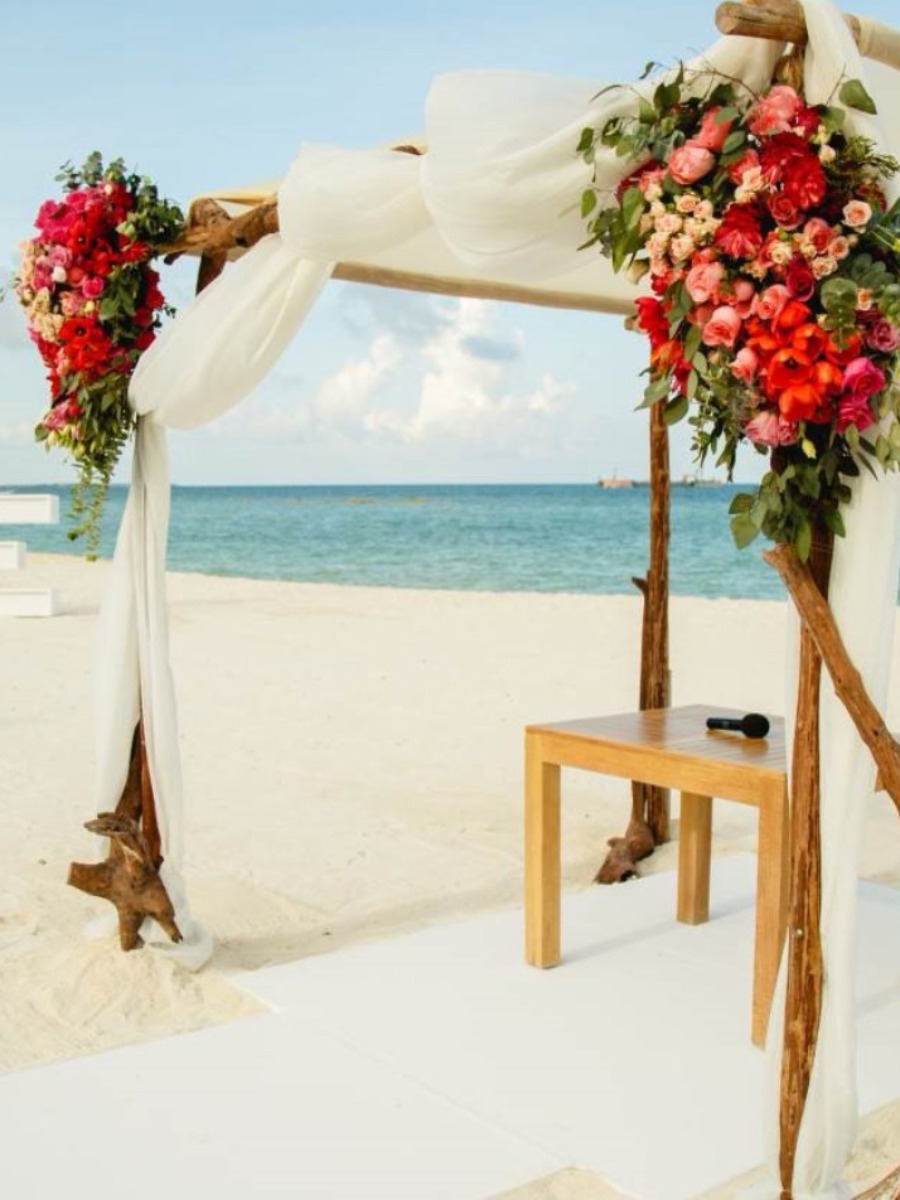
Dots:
(783, 21)
(775, 20)
(649, 824)
(848, 683)
(129, 876)
(887, 1188)
(805, 971)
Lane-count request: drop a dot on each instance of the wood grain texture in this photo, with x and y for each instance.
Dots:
(818, 619)
(803, 999)
(672, 748)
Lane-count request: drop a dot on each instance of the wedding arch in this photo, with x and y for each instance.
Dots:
(488, 207)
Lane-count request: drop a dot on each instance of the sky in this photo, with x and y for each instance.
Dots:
(378, 386)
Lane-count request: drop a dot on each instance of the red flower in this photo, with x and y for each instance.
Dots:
(739, 235)
(799, 279)
(784, 210)
(652, 319)
(778, 152)
(803, 181)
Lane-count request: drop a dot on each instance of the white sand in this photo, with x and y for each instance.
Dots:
(352, 763)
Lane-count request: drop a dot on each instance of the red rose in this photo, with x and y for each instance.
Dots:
(799, 279)
(807, 121)
(779, 151)
(739, 235)
(145, 339)
(803, 181)
(784, 210)
(748, 160)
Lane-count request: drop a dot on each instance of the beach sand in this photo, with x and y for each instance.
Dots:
(352, 763)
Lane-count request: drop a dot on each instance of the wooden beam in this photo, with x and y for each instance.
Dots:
(783, 21)
(775, 20)
(211, 233)
(478, 289)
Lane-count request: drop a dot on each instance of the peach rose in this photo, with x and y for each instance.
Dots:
(713, 135)
(690, 162)
(857, 214)
(745, 365)
(768, 304)
(703, 280)
(722, 327)
(774, 112)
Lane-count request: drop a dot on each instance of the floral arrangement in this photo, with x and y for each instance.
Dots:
(774, 266)
(93, 303)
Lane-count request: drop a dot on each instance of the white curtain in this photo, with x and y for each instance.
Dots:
(498, 193)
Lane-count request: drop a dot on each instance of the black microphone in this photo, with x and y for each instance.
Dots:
(753, 725)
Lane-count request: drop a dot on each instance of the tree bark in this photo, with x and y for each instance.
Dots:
(803, 1003)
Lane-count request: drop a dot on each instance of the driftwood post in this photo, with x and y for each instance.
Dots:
(649, 823)
(803, 1002)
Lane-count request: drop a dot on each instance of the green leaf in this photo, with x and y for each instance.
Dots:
(854, 95)
(743, 530)
(693, 382)
(676, 409)
(646, 112)
(649, 69)
(692, 344)
(734, 141)
(588, 202)
(741, 503)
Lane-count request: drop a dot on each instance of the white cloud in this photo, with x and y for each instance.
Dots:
(465, 395)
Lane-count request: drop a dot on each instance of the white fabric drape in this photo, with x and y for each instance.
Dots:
(498, 193)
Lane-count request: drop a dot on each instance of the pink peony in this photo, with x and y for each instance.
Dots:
(771, 429)
(690, 162)
(745, 365)
(703, 280)
(712, 135)
(722, 327)
(774, 112)
(863, 379)
(768, 304)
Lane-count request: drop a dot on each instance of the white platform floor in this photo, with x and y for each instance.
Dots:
(437, 1066)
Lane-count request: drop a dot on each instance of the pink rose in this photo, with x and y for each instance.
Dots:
(92, 287)
(818, 233)
(61, 415)
(768, 304)
(774, 112)
(745, 365)
(741, 297)
(771, 429)
(712, 135)
(853, 410)
(749, 161)
(863, 379)
(703, 281)
(690, 162)
(722, 327)
(883, 336)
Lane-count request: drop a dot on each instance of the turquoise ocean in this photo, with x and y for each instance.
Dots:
(497, 538)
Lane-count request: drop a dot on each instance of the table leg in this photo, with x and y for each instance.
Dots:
(772, 887)
(694, 843)
(542, 857)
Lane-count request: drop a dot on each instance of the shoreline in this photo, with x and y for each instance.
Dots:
(352, 768)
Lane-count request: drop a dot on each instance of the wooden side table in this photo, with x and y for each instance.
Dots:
(672, 749)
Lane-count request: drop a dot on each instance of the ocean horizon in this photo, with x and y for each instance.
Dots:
(579, 538)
